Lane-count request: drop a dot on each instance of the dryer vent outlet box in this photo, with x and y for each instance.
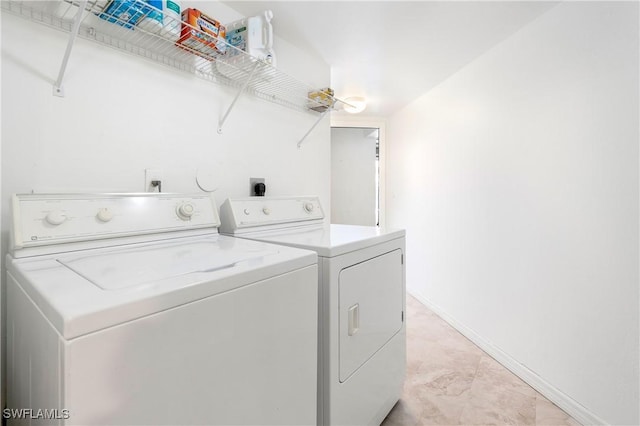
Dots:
(252, 185)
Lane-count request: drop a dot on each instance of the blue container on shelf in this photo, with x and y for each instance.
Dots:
(125, 13)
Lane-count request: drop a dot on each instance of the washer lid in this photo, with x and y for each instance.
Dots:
(86, 291)
(148, 265)
(329, 241)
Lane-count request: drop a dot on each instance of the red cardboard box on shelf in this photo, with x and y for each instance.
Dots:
(202, 34)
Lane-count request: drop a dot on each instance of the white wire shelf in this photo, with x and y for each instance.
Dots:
(233, 68)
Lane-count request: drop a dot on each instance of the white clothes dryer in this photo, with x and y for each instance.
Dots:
(131, 309)
(362, 335)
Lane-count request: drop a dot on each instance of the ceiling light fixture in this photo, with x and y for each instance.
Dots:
(355, 104)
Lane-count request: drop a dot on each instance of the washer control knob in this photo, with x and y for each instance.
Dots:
(266, 210)
(185, 211)
(105, 214)
(308, 207)
(55, 217)
(247, 212)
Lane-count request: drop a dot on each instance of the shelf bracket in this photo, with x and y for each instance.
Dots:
(314, 126)
(57, 86)
(242, 89)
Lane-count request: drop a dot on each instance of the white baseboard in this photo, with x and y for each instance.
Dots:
(553, 394)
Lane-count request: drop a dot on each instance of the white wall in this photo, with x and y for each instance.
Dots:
(122, 115)
(517, 182)
(353, 176)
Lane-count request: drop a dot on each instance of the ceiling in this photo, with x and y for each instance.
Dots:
(391, 52)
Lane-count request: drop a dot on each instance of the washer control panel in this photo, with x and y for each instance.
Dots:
(264, 212)
(40, 219)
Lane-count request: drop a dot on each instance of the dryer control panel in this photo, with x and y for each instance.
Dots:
(45, 219)
(263, 213)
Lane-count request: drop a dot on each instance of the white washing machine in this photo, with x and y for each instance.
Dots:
(362, 335)
(131, 309)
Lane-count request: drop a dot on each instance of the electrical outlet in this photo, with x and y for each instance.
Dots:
(252, 184)
(153, 180)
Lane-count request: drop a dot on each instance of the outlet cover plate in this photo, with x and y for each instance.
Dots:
(252, 184)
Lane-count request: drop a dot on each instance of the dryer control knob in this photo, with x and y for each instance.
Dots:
(308, 207)
(185, 211)
(105, 214)
(55, 217)
(266, 210)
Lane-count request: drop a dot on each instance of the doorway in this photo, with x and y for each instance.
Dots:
(357, 174)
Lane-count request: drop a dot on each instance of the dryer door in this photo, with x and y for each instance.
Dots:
(370, 308)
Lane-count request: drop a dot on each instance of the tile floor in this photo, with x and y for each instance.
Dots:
(450, 381)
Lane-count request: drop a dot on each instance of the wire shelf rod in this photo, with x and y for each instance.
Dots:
(224, 118)
(57, 88)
